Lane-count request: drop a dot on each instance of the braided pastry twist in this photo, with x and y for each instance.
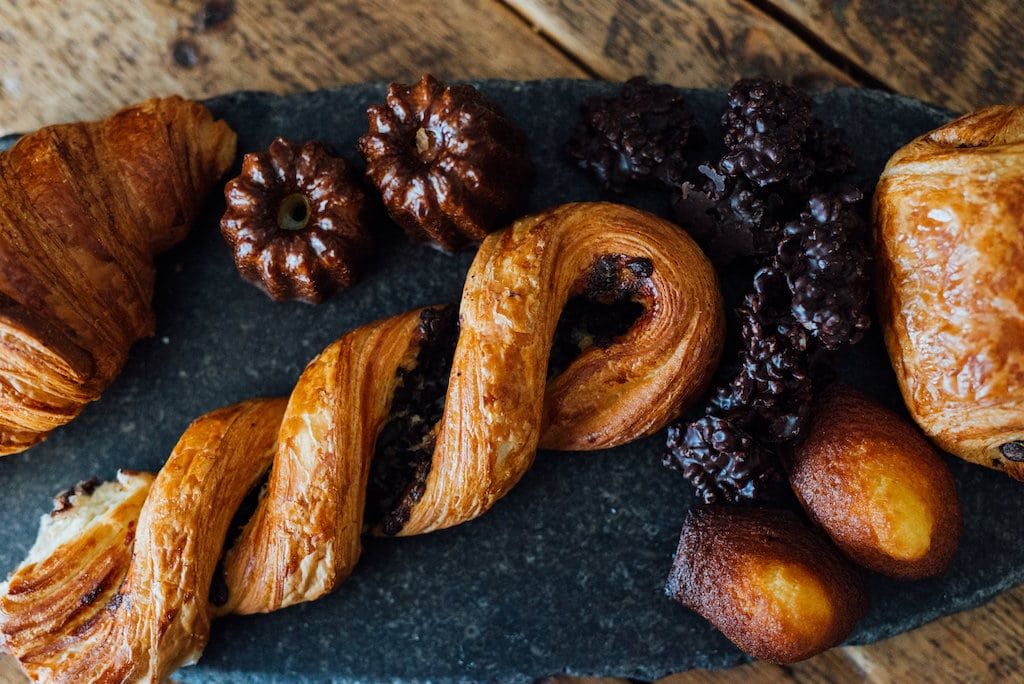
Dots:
(126, 594)
(84, 209)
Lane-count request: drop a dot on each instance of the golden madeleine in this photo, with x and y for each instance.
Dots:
(876, 485)
(774, 586)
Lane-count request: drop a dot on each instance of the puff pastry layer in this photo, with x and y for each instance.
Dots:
(125, 597)
(949, 217)
(84, 208)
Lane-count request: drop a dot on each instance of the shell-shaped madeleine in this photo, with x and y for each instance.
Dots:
(775, 587)
(879, 489)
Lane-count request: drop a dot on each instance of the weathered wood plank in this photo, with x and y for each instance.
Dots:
(961, 54)
(982, 645)
(62, 60)
(706, 43)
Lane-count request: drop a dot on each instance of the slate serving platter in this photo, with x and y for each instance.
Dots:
(565, 574)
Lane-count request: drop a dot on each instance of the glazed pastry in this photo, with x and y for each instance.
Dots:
(294, 222)
(877, 487)
(137, 611)
(449, 165)
(773, 586)
(949, 221)
(84, 209)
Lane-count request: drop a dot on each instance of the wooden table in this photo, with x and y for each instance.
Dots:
(73, 59)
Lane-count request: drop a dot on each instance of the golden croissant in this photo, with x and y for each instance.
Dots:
(949, 218)
(84, 208)
(118, 585)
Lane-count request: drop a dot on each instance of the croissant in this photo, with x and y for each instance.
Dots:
(949, 217)
(84, 208)
(118, 585)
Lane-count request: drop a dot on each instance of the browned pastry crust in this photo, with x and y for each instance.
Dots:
(84, 208)
(449, 165)
(137, 611)
(949, 219)
(294, 221)
(773, 586)
(877, 487)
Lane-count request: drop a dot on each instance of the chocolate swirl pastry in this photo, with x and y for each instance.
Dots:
(449, 165)
(294, 222)
(460, 411)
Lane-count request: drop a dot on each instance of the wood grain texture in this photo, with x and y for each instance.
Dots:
(66, 60)
(957, 53)
(685, 42)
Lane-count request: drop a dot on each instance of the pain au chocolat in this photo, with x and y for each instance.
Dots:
(84, 209)
(949, 220)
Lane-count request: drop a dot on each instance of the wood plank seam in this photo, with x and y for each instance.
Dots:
(821, 46)
(961, 54)
(551, 40)
(724, 40)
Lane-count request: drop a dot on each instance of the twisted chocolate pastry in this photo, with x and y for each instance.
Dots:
(84, 209)
(123, 590)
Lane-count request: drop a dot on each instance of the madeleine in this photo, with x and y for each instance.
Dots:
(774, 586)
(880, 490)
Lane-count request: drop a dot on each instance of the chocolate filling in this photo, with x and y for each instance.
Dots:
(604, 305)
(1014, 451)
(219, 586)
(405, 445)
(62, 502)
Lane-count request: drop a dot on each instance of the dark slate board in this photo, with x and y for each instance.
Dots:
(566, 573)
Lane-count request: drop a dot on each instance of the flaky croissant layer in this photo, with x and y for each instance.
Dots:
(84, 208)
(136, 605)
(949, 222)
